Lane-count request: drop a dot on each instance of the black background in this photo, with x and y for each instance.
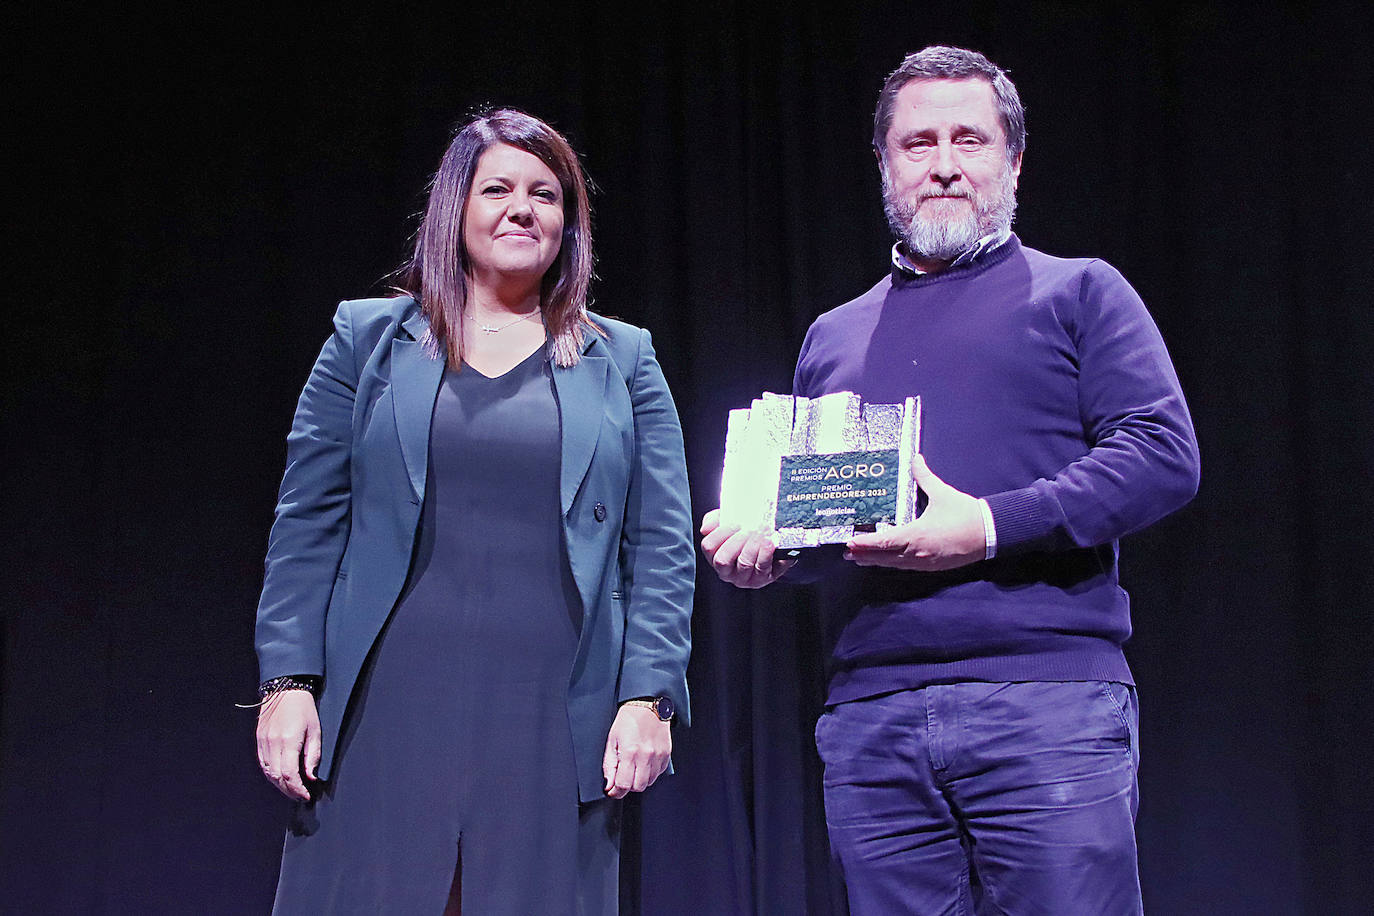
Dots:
(193, 194)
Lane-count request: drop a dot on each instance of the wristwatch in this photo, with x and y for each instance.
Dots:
(662, 706)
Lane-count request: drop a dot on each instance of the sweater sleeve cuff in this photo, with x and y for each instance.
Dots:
(1018, 517)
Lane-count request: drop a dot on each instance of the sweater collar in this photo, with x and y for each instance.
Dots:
(987, 251)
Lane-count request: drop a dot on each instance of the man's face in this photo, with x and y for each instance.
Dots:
(946, 178)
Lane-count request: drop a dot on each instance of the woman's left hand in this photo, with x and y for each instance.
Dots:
(637, 750)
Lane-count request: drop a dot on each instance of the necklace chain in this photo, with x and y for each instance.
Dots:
(489, 329)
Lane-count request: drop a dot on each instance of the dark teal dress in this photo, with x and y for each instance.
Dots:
(457, 748)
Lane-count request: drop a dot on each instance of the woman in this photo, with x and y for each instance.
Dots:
(481, 567)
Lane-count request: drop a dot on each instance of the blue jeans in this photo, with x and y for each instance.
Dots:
(985, 798)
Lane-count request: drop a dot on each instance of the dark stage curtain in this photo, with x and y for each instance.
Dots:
(195, 193)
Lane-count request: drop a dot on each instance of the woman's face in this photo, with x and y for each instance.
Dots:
(513, 218)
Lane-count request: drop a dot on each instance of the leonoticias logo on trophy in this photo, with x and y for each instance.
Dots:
(816, 470)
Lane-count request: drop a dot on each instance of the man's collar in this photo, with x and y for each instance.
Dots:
(902, 262)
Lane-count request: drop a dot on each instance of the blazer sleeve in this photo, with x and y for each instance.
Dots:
(657, 558)
(310, 530)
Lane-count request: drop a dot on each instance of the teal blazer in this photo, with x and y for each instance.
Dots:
(348, 511)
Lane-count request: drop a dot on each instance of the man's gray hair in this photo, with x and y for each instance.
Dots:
(944, 63)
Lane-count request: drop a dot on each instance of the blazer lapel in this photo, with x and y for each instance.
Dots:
(581, 390)
(415, 378)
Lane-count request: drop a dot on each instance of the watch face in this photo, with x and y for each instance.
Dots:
(665, 708)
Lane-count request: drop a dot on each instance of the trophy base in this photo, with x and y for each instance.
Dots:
(799, 539)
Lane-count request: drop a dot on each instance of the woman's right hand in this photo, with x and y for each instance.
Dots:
(289, 741)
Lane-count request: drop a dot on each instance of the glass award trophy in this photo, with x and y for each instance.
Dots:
(816, 470)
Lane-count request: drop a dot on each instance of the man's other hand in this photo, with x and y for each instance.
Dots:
(742, 558)
(949, 534)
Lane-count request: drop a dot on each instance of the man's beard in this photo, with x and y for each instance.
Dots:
(944, 229)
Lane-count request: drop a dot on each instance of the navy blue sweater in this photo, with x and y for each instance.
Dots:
(1047, 390)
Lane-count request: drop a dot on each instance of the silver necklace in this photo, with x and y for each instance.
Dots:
(493, 330)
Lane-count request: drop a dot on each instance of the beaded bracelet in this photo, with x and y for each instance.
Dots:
(289, 682)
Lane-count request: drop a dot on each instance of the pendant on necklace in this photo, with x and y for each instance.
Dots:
(492, 329)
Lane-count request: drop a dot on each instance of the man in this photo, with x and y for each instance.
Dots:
(980, 735)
